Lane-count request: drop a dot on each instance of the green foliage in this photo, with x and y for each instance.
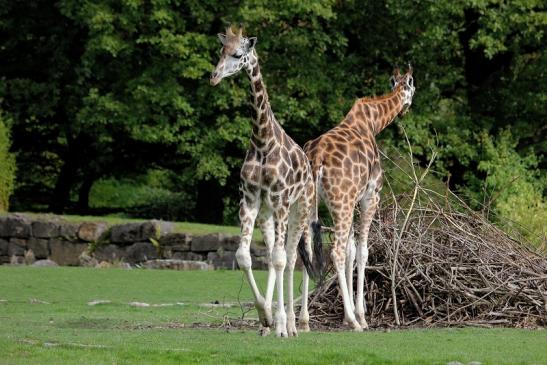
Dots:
(124, 89)
(7, 164)
(513, 187)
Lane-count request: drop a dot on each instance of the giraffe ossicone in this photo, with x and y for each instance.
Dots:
(276, 188)
(346, 167)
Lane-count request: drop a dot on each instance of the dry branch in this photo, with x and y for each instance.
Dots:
(444, 265)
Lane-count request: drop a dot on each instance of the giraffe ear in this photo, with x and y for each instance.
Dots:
(393, 82)
(222, 37)
(252, 42)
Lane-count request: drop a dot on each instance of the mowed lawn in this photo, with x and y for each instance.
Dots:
(45, 319)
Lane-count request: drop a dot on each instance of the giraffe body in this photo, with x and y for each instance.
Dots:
(346, 166)
(276, 188)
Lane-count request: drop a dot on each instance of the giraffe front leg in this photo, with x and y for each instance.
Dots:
(247, 215)
(279, 259)
(266, 223)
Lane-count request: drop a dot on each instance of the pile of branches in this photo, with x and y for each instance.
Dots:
(435, 262)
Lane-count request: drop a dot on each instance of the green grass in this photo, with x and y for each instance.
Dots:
(67, 330)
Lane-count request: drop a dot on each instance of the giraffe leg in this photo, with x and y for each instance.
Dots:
(279, 259)
(369, 203)
(304, 317)
(342, 224)
(266, 224)
(350, 259)
(297, 220)
(247, 214)
(309, 202)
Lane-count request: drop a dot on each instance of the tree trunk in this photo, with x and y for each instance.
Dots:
(209, 204)
(82, 207)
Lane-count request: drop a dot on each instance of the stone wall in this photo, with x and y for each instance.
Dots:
(152, 244)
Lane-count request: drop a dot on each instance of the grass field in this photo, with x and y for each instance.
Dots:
(45, 319)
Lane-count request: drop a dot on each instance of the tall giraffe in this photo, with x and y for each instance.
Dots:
(346, 163)
(276, 188)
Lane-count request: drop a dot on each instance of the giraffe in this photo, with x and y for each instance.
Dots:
(276, 189)
(346, 165)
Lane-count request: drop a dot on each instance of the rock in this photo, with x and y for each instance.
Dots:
(87, 261)
(455, 363)
(189, 256)
(474, 363)
(104, 265)
(257, 250)
(42, 229)
(69, 231)
(260, 263)
(122, 265)
(45, 263)
(91, 231)
(139, 232)
(207, 243)
(230, 242)
(29, 257)
(178, 242)
(222, 260)
(4, 259)
(66, 252)
(16, 246)
(109, 253)
(174, 243)
(39, 246)
(172, 264)
(16, 260)
(156, 229)
(141, 251)
(126, 233)
(3, 247)
(15, 226)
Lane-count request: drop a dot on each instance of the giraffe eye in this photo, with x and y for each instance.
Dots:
(237, 55)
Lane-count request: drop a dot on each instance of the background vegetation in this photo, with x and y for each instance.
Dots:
(7, 165)
(112, 110)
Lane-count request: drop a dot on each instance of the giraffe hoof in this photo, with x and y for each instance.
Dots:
(304, 327)
(353, 325)
(292, 332)
(362, 322)
(282, 334)
(264, 331)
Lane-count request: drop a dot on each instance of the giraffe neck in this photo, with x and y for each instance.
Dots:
(376, 114)
(263, 120)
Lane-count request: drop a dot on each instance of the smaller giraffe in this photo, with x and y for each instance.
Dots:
(346, 167)
(277, 190)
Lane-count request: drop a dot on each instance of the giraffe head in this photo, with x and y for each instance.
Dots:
(404, 83)
(235, 54)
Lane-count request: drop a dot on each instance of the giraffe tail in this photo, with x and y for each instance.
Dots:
(315, 267)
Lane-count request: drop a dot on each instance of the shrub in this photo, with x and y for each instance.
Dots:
(513, 187)
(7, 165)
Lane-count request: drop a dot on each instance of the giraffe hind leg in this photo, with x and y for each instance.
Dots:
(297, 220)
(368, 206)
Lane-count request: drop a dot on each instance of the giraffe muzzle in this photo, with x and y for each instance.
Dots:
(214, 79)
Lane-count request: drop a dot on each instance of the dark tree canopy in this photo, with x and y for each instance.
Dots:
(113, 89)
